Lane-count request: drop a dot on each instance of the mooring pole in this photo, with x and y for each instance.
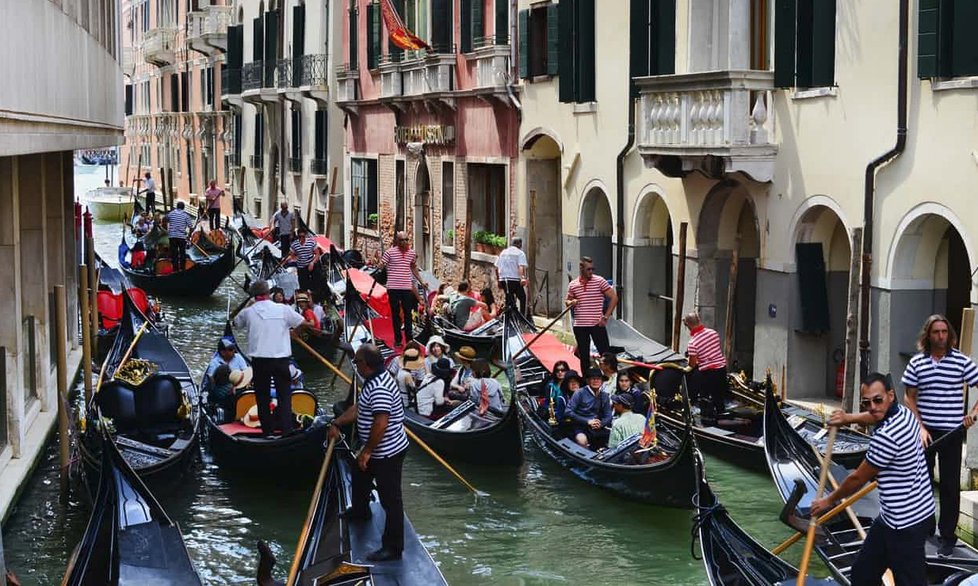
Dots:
(61, 333)
(86, 332)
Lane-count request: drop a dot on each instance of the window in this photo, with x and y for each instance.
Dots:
(394, 52)
(319, 143)
(256, 207)
(259, 139)
(653, 37)
(128, 99)
(373, 36)
(352, 36)
(804, 43)
(297, 134)
(174, 93)
(448, 203)
(759, 34)
(190, 167)
(487, 192)
(185, 92)
(363, 180)
(472, 24)
(575, 40)
(238, 138)
(320, 222)
(538, 41)
(442, 27)
(945, 40)
(207, 86)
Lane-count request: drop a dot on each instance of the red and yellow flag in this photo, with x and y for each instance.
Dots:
(397, 32)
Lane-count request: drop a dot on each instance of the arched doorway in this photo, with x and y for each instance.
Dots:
(596, 229)
(422, 215)
(544, 246)
(818, 334)
(728, 222)
(930, 273)
(649, 264)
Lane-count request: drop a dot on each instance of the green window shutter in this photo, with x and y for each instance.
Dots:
(258, 39)
(964, 46)
(523, 30)
(927, 38)
(373, 37)
(271, 46)
(639, 37)
(804, 43)
(502, 22)
(441, 26)
(354, 37)
(478, 23)
(784, 43)
(823, 44)
(393, 50)
(663, 50)
(560, 46)
(585, 74)
(298, 42)
(465, 24)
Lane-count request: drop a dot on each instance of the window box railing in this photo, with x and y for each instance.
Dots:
(252, 75)
(295, 164)
(347, 84)
(314, 71)
(257, 162)
(491, 66)
(390, 77)
(318, 167)
(435, 73)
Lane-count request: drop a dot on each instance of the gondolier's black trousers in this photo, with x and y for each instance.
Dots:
(150, 201)
(583, 336)
(514, 292)
(948, 456)
(386, 472)
(402, 299)
(305, 278)
(709, 384)
(900, 550)
(214, 217)
(178, 252)
(266, 370)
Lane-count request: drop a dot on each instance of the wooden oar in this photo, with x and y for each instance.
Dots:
(293, 571)
(534, 339)
(834, 512)
(322, 359)
(812, 524)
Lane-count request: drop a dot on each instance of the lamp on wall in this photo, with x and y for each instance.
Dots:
(415, 149)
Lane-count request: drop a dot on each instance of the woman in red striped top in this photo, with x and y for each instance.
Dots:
(586, 294)
(709, 376)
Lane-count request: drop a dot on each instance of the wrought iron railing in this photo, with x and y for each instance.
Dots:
(230, 81)
(252, 75)
(284, 74)
(318, 166)
(295, 164)
(313, 71)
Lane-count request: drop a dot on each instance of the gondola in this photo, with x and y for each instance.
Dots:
(111, 285)
(735, 436)
(129, 540)
(792, 460)
(208, 265)
(333, 551)
(243, 447)
(665, 475)
(486, 340)
(151, 402)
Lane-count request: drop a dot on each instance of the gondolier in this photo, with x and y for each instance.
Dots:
(213, 196)
(402, 272)
(268, 326)
(935, 379)
(511, 274)
(283, 223)
(178, 223)
(150, 191)
(705, 356)
(896, 459)
(379, 415)
(303, 249)
(587, 294)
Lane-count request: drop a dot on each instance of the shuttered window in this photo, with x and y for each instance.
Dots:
(442, 27)
(298, 42)
(271, 46)
(364, 183)
(393, 50)
(259, 148)
(373, 36)
(502, 22)
(478, 28)
(320, 138)
(258, 39)
(353, 36)
(804, 43)
(128, 100)
(575, 50)
(523, 31)
(653, 37)
(946, 42)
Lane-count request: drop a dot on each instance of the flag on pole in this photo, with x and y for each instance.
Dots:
(398, 33)
(649, 437)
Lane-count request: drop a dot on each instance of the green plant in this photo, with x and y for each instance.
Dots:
(498, 241)
(372, 218)
(480, 236)
(450, 235)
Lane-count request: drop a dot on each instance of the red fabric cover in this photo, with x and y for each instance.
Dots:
(139, 297)
(549, 351)
(323, 243)
(364, 283)
(238, 428)
(109, 309)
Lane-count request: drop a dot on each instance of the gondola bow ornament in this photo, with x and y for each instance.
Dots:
(649, 437)
(398, 32)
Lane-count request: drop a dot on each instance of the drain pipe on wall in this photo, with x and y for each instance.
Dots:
(620, 181)
(870, 183)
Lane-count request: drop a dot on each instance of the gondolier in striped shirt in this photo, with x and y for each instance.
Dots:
(304, 251)
(896, 459)
(402, 272)
(705, 356)
(379, 415)
(935, 379)
(587, 294)
(178, 224)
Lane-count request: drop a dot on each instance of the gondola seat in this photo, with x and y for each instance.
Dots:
(303, 403)
(243, 403)
(117, 401)
(158, 402)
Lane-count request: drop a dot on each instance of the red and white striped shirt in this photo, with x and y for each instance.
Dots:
(704, 344)
(399, 263)
(590, 300)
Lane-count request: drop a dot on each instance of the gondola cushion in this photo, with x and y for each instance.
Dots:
(117, 401)
(158, 400)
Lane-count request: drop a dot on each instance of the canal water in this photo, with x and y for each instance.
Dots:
(540, 525)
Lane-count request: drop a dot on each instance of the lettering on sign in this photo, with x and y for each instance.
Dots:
(425, 133)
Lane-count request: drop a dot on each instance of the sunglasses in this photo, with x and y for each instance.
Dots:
(877, 400)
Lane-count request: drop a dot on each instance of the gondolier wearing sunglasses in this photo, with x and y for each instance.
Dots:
(896, 459)
(586, 294)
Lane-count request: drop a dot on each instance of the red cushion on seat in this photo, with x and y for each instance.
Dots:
(238, 428)
(109, 308)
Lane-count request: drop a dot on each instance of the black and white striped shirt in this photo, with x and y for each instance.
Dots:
(381, 395)
(178, 222)
(895, 449)
(304, 250)
(939, 384)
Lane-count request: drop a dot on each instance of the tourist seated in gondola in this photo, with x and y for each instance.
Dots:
(222, 387)
(554, 381)
(144, 225)
(608, 363)
(437, 348)
(305, 310)
(627, 422)
(483, 390)
(461, 305)
(465, 356)
(278, 295)
(227, 355)
(432, 396)
(410, 373)
(590, 412)
(560, 395)
(640, 401)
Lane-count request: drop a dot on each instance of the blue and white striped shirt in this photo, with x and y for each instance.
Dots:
(381, 395)
(904, 485)
(178, 223)
(939, 384)
(305, 251)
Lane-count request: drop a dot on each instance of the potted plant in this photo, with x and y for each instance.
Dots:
(480, 240)
(450, 238)
(372, 220)
(499, 242)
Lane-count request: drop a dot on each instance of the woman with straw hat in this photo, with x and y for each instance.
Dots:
(411, 370)
(436, 348)
(465, 356)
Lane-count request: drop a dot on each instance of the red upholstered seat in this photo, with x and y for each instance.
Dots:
(140, 298)
(109, 308)
(238, 428)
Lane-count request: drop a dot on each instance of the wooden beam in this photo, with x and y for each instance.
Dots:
(467, 253)
(531, 249)
(850, 375)
(677, 322)
(728, 323)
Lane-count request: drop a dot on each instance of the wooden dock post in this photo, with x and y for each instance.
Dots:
(677, 322)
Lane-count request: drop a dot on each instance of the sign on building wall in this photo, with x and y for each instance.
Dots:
(425, 133)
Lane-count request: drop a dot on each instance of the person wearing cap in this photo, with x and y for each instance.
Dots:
(627, 423)
(433, 401)
(303, 250)
(408, 374)
(436, 349)
(269, 326)
(227, 355)
(465, 356)
(305, 310)
(590, 412)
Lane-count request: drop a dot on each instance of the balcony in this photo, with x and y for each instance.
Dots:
(207, 29)
(295, 164)
(717, 122)
(159, 46)
(318, 167)
(490, 65)
(231, 86)
(287, 75)
(347, 86)
(314, 78)
(430, 77)
(390, 77)
(258, 82)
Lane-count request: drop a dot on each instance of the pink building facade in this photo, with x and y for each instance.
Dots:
(431, 135)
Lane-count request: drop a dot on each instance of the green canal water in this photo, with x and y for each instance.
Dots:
(540, 525)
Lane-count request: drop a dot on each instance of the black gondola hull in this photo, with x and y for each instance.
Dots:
(201, 280)
(499, 444)
(300, 452)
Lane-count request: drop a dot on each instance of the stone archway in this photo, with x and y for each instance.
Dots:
(422, 215)
(817, 338)
(728, 221)
(596, 231)
(544, 248)
(649, 264)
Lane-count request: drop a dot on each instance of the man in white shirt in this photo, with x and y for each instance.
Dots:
(511, 273)
(269, 324)
(283, 224)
